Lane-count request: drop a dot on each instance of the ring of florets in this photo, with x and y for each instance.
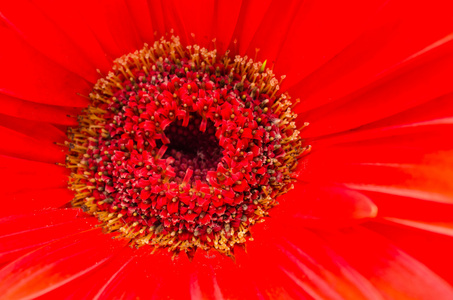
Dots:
(181, 149)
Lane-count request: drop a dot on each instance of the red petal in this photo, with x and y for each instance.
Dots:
(326, 206)
(76, 29)
(396, 208)
(389, 269)
(18, 145)
(158, 18)
(30, 201)
(322, 272)
(141, 17)
(410, 161)
(97, 284)
(30, 23)
(44, 132)
(94, 16)
(121, 25)
(390, 40)
(28, 75)
(445, 228)
(251, 16)
(414, 242)
(407, 90)
(20, 234)
(208, 21)
(275, 27)
(37, 112)
(56, 264)
(319, 33)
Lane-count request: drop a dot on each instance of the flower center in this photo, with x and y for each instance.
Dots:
(181, 149)
(193, 149)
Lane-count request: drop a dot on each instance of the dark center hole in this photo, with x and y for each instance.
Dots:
(192, 148)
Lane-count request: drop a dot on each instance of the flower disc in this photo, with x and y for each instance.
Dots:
(181, 149)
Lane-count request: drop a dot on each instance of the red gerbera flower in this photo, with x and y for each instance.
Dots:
(371, 213)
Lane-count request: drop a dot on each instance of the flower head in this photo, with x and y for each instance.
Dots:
(370, 215)
(184, 150)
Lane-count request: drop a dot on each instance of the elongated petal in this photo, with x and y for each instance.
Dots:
(392, 39)
(393, 272)
(413, 87)
(420, 244)
(207, 21)
(326, 206)
(45, 81)
(22, 146)
(31, 201)
(22, 233)
(44, 132)
(36, 111)
(75, 27)
(320, 24)
(30, 23)
(53, 265)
